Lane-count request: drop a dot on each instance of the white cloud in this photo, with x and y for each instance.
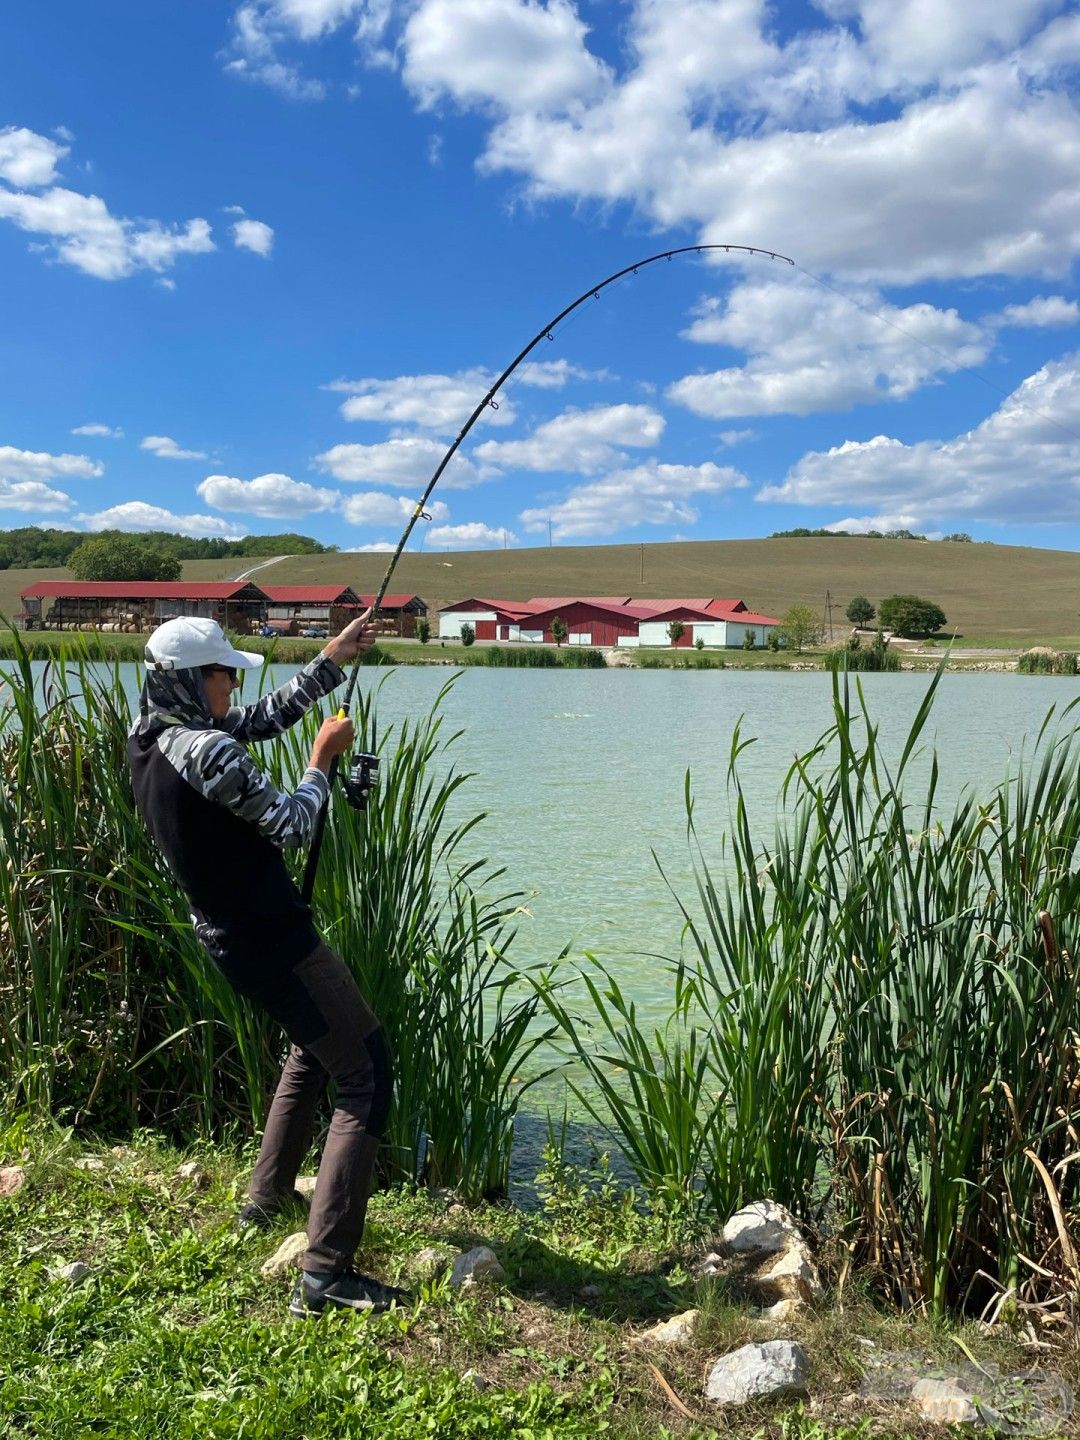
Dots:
(165, 448)
(371, 507)
(27, 159)
(555, 374)
(649, 494)
(377, 547)
(811, 349)
(32, 495)
(439, 403)
(252, 55)
(410, 460)
(139, 515)
(474, 535)
(253, 235)
(40, 465)
(510, 53)
(736, 437)
(105, 432)
(1021, 463)
(1042, 312)
(580, 441)
(269, 495)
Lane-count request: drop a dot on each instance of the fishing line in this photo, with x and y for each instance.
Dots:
(953, 364)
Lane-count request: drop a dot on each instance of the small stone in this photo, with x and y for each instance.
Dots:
(12, 1180)
(305, 1185)
(429, 1263)
(476, 1380)
(762, 1228)
(89, 1162)
(790, 1276)
(286, 1256)
(193, 1173)
(476, 1265)
(589, 1292)
(456, 1209)
(783, 1310)
(944, 1402)
(758, 1372)
(679, 1330)
(73, 1274)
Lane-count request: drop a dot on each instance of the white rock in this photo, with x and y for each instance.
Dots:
(305, 1185)
(474, 1266)
(944, 1402)
(192, 1172)
(792, 1275)
(73, 1274)
(757, 1372)
(679, 1330)
(89, 1162)
(426, 1264)
(762, 1228)
(286, 1256)
(783, 1310)
(12, 1179)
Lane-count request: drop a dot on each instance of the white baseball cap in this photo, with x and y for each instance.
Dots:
(188, 642)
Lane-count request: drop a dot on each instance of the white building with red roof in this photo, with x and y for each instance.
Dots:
(608, 620)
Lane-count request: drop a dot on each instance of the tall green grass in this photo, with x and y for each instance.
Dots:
(533, 657)
(110, 1014)
(875, 1018)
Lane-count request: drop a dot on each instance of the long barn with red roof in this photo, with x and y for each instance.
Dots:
(608, 620)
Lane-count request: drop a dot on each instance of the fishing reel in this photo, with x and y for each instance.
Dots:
(361, 778)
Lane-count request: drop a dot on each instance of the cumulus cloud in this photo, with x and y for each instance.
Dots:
(410, 460)
(32, 495)
(140, 515)
(269, 495)
(165, 448)
(252, 54)
(580, 441)
(1042, 312)
(104, 432)
(439, 403)
(473, 535)
(649, 494)
(371, 507)
(1021, 463)
(27, 159)
(253, 235)
(18, 464)
(376, 547)
(555, 374)
(812, 349)
(736, 437)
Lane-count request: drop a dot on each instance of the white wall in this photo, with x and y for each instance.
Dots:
(713, 632)
(451, 621)
(536, 637)
(759, 632)
(653, 632)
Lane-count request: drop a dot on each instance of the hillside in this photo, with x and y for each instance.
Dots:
(992, 594)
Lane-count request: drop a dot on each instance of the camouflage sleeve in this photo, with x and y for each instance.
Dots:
(284, 707)
(221, 770)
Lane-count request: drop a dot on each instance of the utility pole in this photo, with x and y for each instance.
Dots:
(828, 615)
(641, 568)
(549, 532)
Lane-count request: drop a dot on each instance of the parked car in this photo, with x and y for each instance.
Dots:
(314, 632)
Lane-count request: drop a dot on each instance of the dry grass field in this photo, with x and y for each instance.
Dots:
(992, 594)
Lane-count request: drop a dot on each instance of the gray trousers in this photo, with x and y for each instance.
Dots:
(335, 1039)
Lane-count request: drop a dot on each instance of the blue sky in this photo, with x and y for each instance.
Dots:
(258, 261)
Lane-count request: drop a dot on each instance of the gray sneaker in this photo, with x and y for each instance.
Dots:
(349, 1290)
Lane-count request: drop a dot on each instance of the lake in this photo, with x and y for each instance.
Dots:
(582, 774)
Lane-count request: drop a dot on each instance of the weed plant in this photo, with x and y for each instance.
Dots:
(110, 1014)
(874, 1019)
(1046, 662)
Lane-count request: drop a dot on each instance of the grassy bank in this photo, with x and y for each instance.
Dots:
(175, 1332)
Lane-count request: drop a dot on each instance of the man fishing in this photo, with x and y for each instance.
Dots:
(222, 827)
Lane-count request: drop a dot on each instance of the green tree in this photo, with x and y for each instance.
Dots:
(122, 557)
(748, 641)
(860, 611)
(423, 630)
(468, 634)
(800, 627)
(676, 630)
(559, 630)
(910, 615)
(699, 643)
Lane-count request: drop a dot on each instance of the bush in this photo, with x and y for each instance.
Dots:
(468, 634)
(854, 656)
(800, 627)
(423, 630)
(699, 643)
(748, 641)
(909, 616)
(1046, 662)
(773, 640)
(860, 611)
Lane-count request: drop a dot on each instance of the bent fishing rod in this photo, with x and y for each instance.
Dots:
(361, 782)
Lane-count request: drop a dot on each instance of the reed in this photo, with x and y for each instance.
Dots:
(110, 1015)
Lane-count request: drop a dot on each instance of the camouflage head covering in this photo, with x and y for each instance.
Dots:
(172, 697)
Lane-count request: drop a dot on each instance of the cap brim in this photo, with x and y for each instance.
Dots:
(243, 659)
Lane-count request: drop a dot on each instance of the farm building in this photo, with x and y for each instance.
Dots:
(140, 605)
(295, 608)
(398, 614)
(607, 620)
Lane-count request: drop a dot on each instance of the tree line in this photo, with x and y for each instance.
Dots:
(959, 537)
(154, 555)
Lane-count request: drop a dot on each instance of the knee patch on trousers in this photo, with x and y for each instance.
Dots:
(382, 1070)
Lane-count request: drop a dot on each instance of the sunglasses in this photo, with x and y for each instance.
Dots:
(222, 670)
